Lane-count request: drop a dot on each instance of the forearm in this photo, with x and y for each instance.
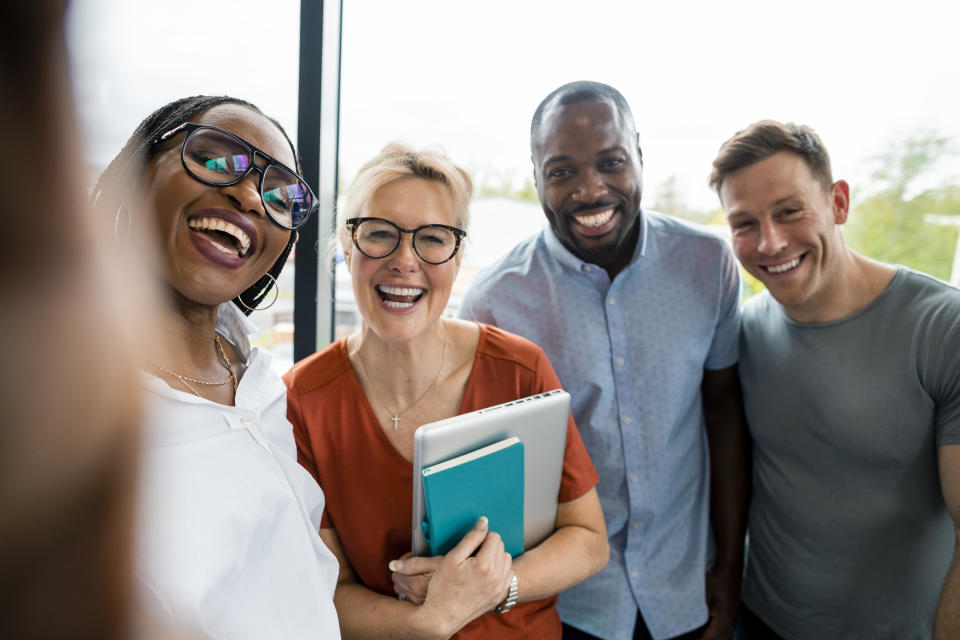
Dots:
(730, 463)
(730, 490)
(573, 553)
(947, 623)
(366, 614)
(730, 467)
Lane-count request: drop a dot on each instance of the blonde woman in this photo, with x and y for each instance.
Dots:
(356, 405)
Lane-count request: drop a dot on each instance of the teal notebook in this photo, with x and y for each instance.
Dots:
(486, 482)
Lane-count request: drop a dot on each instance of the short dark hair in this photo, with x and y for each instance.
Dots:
(580, 91)
(129, 165)
(765, 138)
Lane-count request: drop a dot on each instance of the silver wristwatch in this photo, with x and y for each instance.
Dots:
(511, 600)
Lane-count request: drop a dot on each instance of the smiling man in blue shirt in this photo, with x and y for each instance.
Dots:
(638, 313)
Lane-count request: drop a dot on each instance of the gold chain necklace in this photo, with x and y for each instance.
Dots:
(223, 354)
(397, 414)
(186, 380)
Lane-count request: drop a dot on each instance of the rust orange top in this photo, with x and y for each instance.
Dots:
(368, 485)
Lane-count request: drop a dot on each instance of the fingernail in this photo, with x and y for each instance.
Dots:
(482, 522)
(395, 565)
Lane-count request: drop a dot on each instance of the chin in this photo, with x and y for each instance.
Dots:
(598, 253)
(396, 328)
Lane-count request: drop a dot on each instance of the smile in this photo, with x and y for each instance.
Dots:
(399, 297)
(595, 220)
(226, 237)
(784, 266)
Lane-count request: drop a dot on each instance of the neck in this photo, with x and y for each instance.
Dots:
(622, 257)
(185, 338)
(855, 282)
(400, 371)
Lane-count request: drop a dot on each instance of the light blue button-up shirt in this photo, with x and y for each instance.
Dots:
(631, 352)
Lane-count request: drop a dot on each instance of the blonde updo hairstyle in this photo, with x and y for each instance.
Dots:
(398, 161)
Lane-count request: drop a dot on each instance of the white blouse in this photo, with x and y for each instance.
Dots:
(227, 526)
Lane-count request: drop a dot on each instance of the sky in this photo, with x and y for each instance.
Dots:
(468, 76)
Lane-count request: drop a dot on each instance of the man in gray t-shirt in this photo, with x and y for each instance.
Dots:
(851, 377)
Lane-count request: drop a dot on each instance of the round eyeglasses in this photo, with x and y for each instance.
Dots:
(219, 158)
(378, 238)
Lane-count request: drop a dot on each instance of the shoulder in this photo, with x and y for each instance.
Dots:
(759, 309)
(668, 227)
(921, 298)
(516, 260)
(934, 289)
(696, 259)
(508, 348)
(319, 369)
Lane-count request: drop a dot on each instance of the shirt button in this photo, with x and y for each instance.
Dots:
(628, 420)
(634, 479)
(613, 301)
(246, 422)
(636, 527)
(619, 362)
(586, 267)
(635, 575)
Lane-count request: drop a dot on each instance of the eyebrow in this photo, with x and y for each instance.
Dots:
(774, 204)
(602, 152)
(782, 200)
(553, 159)
(616, 147)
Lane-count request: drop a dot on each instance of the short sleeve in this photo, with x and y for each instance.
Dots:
(304, 452)
(300, 436)
(944, 359)
(724, 346)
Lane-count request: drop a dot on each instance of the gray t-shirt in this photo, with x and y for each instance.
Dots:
(849, 534)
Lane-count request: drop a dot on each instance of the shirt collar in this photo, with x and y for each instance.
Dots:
(258, 378)
(565, 257)
(236, 327)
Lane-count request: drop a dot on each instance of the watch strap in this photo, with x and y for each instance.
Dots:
(512, 596)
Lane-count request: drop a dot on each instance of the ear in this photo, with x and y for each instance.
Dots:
(536, 177)
(347, 254)
(840, 199)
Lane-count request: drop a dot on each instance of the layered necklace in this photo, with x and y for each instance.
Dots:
(397, 414)
(186, 380)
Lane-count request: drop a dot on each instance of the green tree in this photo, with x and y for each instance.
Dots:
(889, 223)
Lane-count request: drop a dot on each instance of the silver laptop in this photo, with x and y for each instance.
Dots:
(540, 421)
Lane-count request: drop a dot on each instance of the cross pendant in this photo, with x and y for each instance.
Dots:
(396, 421)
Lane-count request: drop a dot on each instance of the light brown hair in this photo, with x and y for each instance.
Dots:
(765, 138)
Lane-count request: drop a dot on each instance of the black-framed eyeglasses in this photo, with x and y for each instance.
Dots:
(219, 158)
(378, 238)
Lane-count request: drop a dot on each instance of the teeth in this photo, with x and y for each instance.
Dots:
(216, 224)
(596, 219)
(401, 291)
(786, 266)
(228, 250)
(397, 305)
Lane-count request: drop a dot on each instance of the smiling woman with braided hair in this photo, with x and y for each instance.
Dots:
(227, 527)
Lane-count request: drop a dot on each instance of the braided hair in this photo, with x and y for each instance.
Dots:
(129, 165)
